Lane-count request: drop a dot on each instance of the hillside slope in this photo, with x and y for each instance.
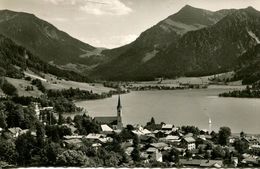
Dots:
(155, 40)
(45, 40)
(213, 49)
(14, 59)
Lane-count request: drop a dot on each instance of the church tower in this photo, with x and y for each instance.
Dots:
(119, 114)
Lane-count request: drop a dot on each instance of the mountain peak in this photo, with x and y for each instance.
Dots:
(250, 8)
(188, 8)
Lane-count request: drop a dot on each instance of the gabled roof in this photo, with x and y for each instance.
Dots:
(15, 130)
(167, 126)
(106, 119)
(151, 150)
(105, 127)
(73, 137)
(171, 137)
(159, 145)
(202, 163)
(189, 139)
(94, 136)
(73, 141)
(211, 163)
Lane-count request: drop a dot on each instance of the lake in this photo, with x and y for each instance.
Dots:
(183, 107)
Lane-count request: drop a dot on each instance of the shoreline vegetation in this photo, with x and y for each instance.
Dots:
(35, 133)
(249, 92)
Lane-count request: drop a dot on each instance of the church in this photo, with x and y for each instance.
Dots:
(114, 121)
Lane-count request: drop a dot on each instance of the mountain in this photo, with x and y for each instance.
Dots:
(14, 59)
(45, 40)
(127, 59)
(214, 49)
(210, 50)
(248, 68)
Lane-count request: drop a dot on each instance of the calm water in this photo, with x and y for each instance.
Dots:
(182, 107)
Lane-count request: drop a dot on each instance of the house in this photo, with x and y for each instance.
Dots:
(172, 138)
(96, 137)
(154, 154)
(15, 131)
(251, 160)
(159, 145)
(73, 142)
(105, 129)
(129, 150)
(212, 163)
(189, 143)
(73, 137)
(72, 128)
(232, 139)
(141, 131)
(202, 163)
(168, 127)
(148, 139)
(159, 134)
(234, 161)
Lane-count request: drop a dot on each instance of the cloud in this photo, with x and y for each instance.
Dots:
(110, 42)
(96, 7)
(105, 7)
(57, 2)
(59, 19)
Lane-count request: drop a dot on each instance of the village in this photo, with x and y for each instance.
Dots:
(163, 145)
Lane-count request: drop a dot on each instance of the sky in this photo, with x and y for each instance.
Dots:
(112, 23)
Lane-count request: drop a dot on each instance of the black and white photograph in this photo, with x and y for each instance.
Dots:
(129, 84)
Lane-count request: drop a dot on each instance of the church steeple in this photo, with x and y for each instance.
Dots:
(119, 106)
(119, 114)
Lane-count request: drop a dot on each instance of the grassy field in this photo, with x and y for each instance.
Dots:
(21, 85)
(191, 80)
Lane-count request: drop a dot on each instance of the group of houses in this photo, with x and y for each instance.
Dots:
(153, 144)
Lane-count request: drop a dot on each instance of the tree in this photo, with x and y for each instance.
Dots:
(242, 134)
(136, 152)
(129, 127)
(25, 146)
(69, 120)
(223, 135)
(7, 151)
(52, 132)
(241, 146)
(188, 154)
(218, 152)
(3, 123)
(9, 89)
(61, 119)
(72, 158)
(112, 159)
(51, 152)
(15, 115)
(152, 121)
(40, 134)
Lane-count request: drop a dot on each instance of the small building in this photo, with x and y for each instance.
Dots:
(154, 154)
(105, 129)
(15, 131)
(159, 146)
(73, 142)
(168, 127)
(172, 138)
(202, 163)
(189, 143)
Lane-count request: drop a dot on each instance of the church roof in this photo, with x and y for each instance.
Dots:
(106, 119)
